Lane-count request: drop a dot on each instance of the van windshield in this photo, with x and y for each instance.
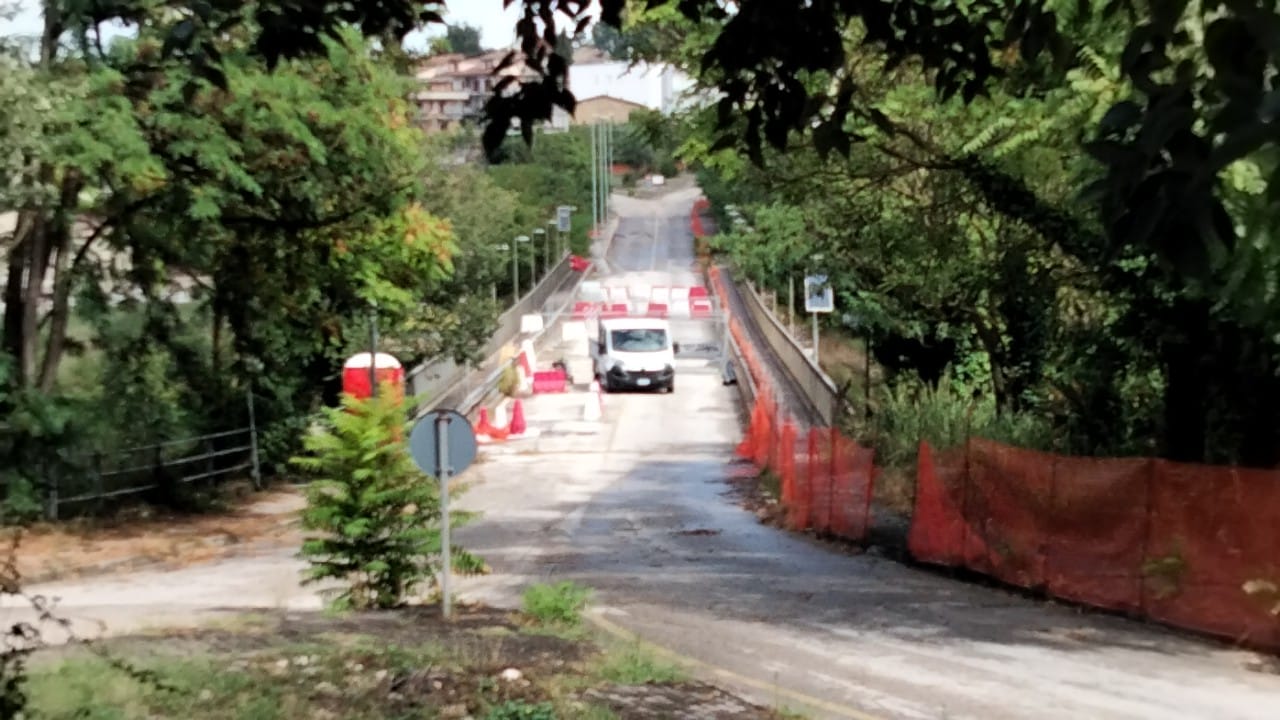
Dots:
(639, 340)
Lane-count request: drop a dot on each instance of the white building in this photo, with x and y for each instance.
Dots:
(657, 87)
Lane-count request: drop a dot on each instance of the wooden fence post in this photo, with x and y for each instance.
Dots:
(98, 486)
(51, 502)
(253, 443)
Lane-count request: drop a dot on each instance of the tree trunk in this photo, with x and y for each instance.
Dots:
(1186, 401)
(13, 300)
(36, 259)
(64, 270)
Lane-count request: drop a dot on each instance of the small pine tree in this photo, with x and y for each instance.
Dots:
(375, 517)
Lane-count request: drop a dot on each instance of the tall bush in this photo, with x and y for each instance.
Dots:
(946, 415)
(374, 518)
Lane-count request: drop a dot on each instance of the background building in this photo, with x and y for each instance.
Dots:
(454, 88)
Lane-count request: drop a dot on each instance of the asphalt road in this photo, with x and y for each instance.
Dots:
(636, 505)
(637, 508)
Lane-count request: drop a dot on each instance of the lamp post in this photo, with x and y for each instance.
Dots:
(816, 260)
(539, 238)
(373, 348)
(515, 264)
(550, 257)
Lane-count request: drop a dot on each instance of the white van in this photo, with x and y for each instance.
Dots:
(635, 353)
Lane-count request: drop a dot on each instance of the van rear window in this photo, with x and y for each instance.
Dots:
(639, 340)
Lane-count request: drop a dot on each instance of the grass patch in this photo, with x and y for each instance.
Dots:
(632, 664)
(558, 605)
(770, 483)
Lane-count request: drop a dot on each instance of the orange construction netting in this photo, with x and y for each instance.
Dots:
(1174, 542)
(824, 479)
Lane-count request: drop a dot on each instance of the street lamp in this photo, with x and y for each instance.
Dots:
(493, 285)
(540, 235)
(515, 264)
(551, 256)
(533, 251)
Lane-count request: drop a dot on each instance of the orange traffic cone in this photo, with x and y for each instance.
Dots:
(517, 426)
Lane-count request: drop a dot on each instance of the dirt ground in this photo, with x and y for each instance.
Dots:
(146, 537)
(407, 663)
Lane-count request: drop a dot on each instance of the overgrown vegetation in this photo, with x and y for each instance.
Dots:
(374, 516)
(556, 605)
(178, 236)
(994, 298)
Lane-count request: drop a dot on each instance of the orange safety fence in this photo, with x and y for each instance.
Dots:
(1170, 541)
(824, 479)
(1173, 542)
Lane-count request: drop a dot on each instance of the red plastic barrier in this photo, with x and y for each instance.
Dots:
(616, 310)
(657, 310)
(583, 310)
(579, 264)
(700, 308)
(550, 381)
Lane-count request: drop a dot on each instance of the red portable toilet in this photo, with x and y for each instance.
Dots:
(355, 374)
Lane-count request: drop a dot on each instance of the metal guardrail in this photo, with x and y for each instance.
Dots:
(466, 400)
(818, 388)
(439, 379)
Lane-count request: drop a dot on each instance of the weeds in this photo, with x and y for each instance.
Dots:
(558, 605)
(634, 665)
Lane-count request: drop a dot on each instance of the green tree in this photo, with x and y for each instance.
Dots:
(464, 38)
(374, 517)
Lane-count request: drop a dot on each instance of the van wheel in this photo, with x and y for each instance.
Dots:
(671, 386)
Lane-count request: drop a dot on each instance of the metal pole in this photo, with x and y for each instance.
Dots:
(446, 564)
(515, 273)
(253, 443)
(791, 304)
(533, 258)
(609, 174)
(866, 379)
(373, 352)
(815, 337)
(595, 191)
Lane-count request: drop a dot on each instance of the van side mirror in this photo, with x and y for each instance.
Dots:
(675, 348)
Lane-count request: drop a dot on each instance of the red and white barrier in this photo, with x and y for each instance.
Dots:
(642, 300)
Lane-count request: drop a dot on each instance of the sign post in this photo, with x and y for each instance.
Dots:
(443, 444)
(818, 298)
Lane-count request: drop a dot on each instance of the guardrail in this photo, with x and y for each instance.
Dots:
(466, 399)
(818, 388)
(441, 378)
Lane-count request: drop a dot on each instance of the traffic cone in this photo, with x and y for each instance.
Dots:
(592, 408)
(518, 425)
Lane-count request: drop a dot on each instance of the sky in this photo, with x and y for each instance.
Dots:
(497, 27)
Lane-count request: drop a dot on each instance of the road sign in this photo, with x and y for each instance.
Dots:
(818, 295)
(443, 444)
(458, 436)
(563, 218)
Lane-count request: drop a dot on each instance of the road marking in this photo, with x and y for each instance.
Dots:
(620, 632)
